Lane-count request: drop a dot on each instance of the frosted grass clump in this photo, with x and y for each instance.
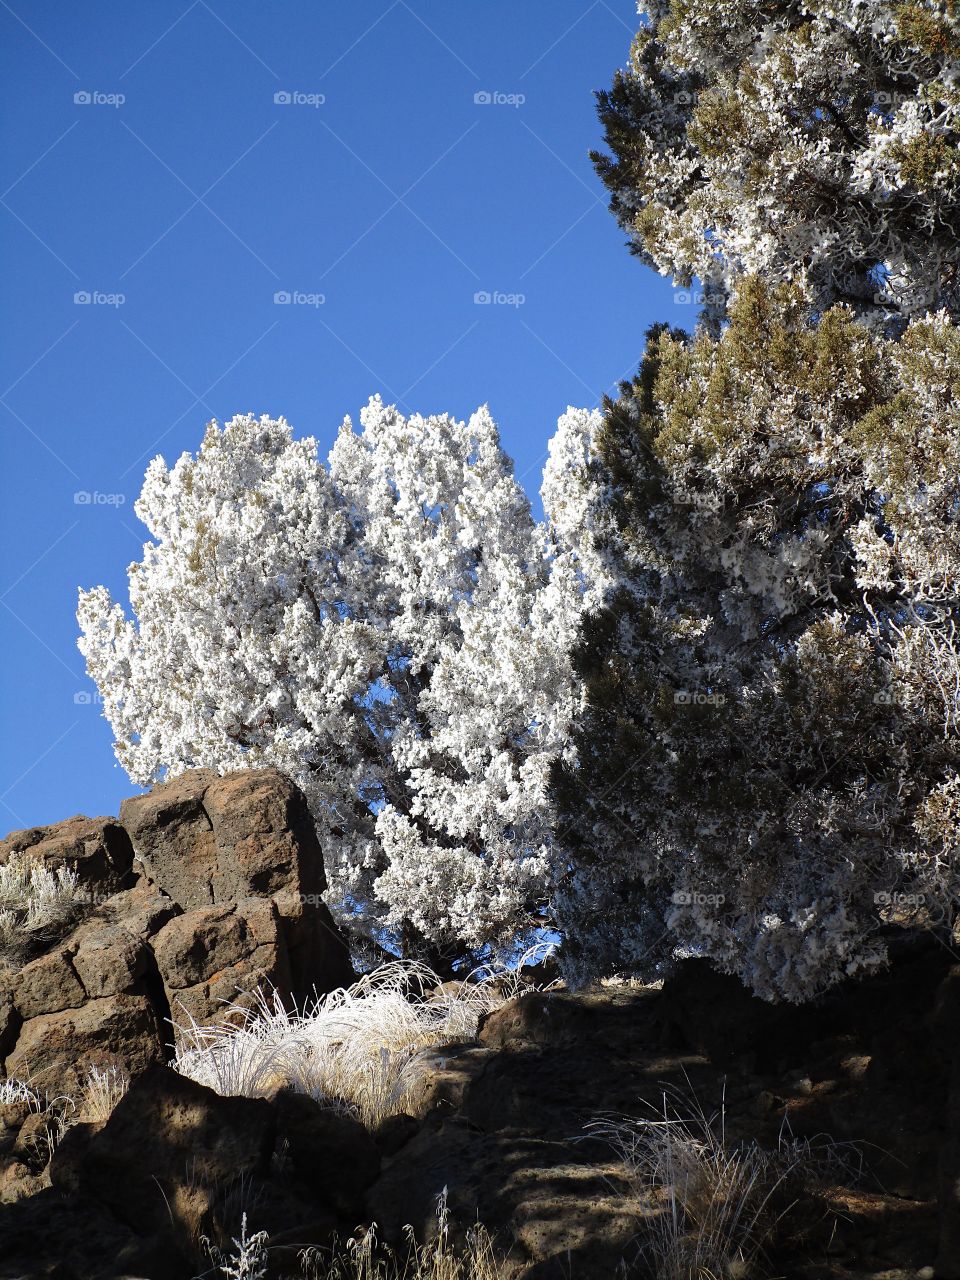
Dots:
(14, 1090)
(355, 1048)
(103, 1088)
(34, 898)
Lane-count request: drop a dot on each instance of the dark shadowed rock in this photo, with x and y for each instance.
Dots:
(10, 1020)
(947, 1024)
(332, 1154)
(547, 1198)
(66, 1162)
(52, 1237)
(170, 1148)
(395, 1132)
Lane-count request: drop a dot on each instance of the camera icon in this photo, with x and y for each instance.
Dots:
(82, 98)
(282, 98)
(82, 298)
(683, 697)
(82, 699)
(681, 898)
(885, 698)
(683, 98)
(83, 498)
(483, 98)
(482, 298)
(281, 298)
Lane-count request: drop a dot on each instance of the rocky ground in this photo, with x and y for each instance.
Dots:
(868, 1075)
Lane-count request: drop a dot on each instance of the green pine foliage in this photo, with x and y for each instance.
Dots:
(815, 141)
(767, 766)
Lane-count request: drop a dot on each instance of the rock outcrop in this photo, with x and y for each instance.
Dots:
(502, 1128)
(210, 887)
(168, 1151)
(206, 891)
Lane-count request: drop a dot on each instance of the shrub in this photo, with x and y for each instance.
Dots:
(812, 143)
(392, 631)
(769, 764)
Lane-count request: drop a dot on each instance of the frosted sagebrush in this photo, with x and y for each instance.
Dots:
(36, 901)
(392, 631)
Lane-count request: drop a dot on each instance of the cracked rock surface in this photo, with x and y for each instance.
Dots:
(206, 889)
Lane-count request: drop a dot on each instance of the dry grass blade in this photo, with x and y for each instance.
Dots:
(366, 1258)
(102, 1090)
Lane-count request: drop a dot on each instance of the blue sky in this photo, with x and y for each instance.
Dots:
(170, 168)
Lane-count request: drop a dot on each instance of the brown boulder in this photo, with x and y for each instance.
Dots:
(48, 984)
(53, 1051)
(108, 958)
(217, 956)
(208, 839)
(98, 849)
(221, 899)
(170, 1148)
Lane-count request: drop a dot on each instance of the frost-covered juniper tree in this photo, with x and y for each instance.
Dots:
(392, 631)
(768, 767)
(816, 141)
